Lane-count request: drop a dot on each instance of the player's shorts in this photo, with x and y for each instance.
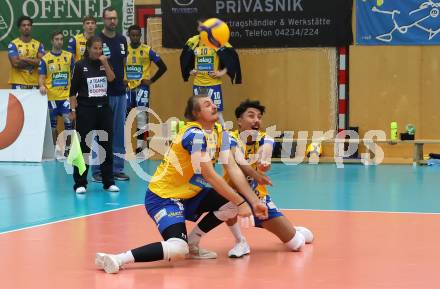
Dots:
(59, 108)
(138, 97)
(23, 86)
(167, 212)
(272, 211)
(214, 92)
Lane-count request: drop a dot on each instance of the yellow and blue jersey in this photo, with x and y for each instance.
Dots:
(58, 70)
(175, 177)
(205, 61)
(249, 150)
(138, 64)
(77, 46)
(31, 49)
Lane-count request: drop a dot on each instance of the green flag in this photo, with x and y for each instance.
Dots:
(75, 157)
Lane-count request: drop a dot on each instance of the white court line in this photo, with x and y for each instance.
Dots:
(69, 219)
(354, 211)
(309, 210)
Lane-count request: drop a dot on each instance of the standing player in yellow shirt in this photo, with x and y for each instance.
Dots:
(207, 74)
(77, 44)
(138, 77)
(55, 74)
(207, 66)
(24, 55)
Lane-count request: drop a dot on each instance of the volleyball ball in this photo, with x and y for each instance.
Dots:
(214, 33)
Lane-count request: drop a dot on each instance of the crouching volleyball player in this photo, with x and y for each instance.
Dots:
(185, 185)
(252, 144)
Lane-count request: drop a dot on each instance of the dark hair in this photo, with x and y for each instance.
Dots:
(108, 9)
(248, 104)
(55, 33)
(89, 18)
(89, 44)
(135, 28)
(24, 18)
(192, 105)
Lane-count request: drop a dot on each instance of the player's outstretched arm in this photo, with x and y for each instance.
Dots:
(221, 186)
(240, 182)
(265, 153)
(248, 170)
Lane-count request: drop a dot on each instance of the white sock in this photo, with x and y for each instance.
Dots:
(125, 258)
(139, 143)
(195, 236)
(235, 229)
(296, 243)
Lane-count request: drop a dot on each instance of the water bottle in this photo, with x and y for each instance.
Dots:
(393, 130)
(173, 129)
(181, 124)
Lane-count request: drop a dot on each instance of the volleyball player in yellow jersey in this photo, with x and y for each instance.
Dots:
(208, 65)
(24, 55)
(77, 44)
(207, 74)
(55, 73)
(256, 147)
(138, 77)
(185, 185)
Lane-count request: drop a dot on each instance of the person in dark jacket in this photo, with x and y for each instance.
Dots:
(91, 109)
(208, 65)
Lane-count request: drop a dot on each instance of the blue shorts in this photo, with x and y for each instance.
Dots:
(167, 212)
(214, 92)
(138, 97)
(272, 210)
(59, 108)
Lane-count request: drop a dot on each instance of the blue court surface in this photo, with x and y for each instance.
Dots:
(36, 194)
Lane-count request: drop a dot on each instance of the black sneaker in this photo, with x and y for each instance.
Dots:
(121, 176)
(97, 178)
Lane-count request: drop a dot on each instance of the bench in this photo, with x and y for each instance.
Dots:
(417, 151)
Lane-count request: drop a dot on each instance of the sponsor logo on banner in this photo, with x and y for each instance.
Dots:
(411, 22)
(184, 2)
(263, 23)
(14, 122)
(183, 7)
(6, 18)
(67, 15)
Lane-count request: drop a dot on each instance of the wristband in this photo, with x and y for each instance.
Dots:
(244, 201)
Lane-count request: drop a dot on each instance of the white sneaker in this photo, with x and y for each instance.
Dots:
(199, 253)
(61, 158)
(240, 249)
(99, 260)
(108, 262)
(308, 235)
(59, 154)
(112, 188)
(80, 190)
